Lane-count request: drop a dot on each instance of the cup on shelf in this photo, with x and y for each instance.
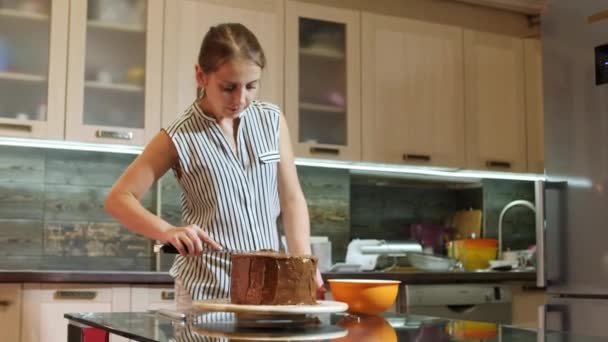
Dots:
(22, 116)
(104, 76)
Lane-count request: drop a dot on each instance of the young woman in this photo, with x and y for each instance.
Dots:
(233, 159)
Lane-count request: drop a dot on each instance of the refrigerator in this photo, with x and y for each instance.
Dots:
(572, 231)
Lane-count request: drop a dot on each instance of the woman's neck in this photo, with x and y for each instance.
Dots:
(204, 105)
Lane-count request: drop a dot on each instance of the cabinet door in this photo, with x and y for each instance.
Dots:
(33, 54)
(323, 86)
(534, 105)
(45, 304)
(187, 22)
(10, 312)
(114, 72)
(494, 101)
(151, 297)
(413, 98)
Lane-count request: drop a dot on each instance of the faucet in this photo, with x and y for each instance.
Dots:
(515, 203)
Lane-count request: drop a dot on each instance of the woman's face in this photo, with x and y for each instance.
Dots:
(231, 88)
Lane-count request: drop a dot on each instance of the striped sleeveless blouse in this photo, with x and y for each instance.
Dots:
(232, 195)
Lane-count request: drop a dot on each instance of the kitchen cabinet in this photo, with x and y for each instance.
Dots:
(33, 70)
(10, 312)
(45, 304)
(495, 107)
(187, 22)
(525, 306)
(323, 80)
(534, 105)
(152, 297)
(114, 77)
(413, 98)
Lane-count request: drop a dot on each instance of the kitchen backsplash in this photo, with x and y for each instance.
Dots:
(52, 216)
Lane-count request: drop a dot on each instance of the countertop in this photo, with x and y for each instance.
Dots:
(388, 327)
(33, 276)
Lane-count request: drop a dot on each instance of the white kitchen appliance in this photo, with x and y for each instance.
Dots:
(364, 254)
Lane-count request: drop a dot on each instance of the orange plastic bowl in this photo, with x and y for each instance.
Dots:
(365, 296)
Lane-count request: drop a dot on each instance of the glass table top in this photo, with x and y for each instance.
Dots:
(221, 326)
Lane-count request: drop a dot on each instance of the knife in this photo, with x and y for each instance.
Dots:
(170, 249)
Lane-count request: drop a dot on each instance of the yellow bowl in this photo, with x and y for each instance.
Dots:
(365, 296)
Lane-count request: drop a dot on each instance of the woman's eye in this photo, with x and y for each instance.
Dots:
(227, 88)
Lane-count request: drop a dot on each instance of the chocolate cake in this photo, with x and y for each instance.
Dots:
(271, 278)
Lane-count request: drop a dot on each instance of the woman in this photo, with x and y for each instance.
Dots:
(233, 159)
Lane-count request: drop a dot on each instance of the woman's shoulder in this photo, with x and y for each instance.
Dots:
(266, 108)
(180, 122)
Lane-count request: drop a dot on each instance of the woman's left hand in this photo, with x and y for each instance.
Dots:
(320, 286)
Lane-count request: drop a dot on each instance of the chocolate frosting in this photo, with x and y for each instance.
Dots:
(272, 278)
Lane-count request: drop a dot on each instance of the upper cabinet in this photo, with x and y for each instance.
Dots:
(33, 47)
(495, 102)
(114, 71)
(187, 22)
(534, 105)
(413, 98)
(322, 81)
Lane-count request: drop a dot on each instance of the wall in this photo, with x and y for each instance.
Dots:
(52, 216)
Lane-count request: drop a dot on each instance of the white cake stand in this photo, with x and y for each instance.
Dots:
(224, 305)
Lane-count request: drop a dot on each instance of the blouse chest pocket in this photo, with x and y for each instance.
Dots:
(269, 157)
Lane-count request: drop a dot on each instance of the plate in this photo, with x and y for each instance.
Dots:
(226, 330)
(224, 305)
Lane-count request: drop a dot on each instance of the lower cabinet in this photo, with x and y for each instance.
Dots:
(10, 312)
(45, 304)
(525, 306)
(152, 297)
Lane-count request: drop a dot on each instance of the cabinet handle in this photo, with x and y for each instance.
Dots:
(5, 303)
(498, 164)
(324, 150)
(80, 295)
(16, 127)
(123, 135)
(167, 295)
(417, 157)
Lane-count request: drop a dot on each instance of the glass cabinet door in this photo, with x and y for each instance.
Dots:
(114, 71)
(323, 81)
(33, 53)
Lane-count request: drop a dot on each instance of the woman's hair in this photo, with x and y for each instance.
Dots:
(226, 42)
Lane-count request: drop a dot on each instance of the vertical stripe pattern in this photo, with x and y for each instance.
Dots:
(232, 195)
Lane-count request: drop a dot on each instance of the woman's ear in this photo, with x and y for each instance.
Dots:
(201, 77)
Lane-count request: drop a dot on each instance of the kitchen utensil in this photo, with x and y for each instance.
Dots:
(367, 253)
(224, 305)
(466, 223)
(432, 262)
(170, 249)
(474, 254)
(365, 296)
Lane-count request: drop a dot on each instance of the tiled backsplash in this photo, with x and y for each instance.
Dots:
(52, 216)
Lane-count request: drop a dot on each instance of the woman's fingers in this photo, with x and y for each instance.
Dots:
(191, 232)
(188, 244)
(209, 241)
(178, 245)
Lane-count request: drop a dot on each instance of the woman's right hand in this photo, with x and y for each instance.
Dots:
(189, 240)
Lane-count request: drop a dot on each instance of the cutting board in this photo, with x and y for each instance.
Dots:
(466, 223)
(224, 305)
